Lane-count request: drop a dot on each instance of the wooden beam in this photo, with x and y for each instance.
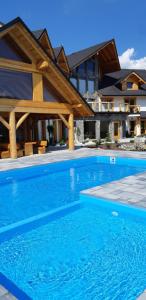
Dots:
(2, 33)
(23, 47)
(40, 110)
(4, 122)
(39, 51)
(21, 120)
(37, 87)
(71, 132)
(19, 66)
(42, 65)
(13, 103)
(64, 120)
(77, 105)
(12, 135)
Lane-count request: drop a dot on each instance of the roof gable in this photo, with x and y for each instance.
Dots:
(9, 49)
(41, 61)
(110, 85)
(61, 59)
(57, 50)
(43, 38)
(79, 57)
(135, 74)
(38, 33)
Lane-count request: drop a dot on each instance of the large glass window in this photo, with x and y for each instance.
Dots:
(90, 67)
(48, 94)
(91, 86)
(74, 81)
(10, 50)
(82, 86)
(15, 85)
(81, 70)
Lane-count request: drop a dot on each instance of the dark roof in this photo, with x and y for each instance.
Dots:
(57, 51)
(143, 86)
(38, 33)
(76, 58)
(123, 73)
(110, 83)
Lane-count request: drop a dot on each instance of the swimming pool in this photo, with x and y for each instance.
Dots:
(30, 191)
(71, 246)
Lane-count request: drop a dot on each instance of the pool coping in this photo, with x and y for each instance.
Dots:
(63, 155)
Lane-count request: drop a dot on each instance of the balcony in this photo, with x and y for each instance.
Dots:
(111, 107)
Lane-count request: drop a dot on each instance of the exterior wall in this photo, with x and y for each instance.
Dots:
(142, 102)
(118, 104)
(97, 130)
(80, 125)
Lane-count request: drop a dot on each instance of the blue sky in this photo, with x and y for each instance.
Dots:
(81, 23)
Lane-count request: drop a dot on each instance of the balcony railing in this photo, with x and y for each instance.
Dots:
(111, 107)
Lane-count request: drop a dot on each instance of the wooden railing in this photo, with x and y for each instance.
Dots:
(110, 107)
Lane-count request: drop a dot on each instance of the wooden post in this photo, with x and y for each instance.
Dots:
(37, 87)
(12, 135)
(71, 132)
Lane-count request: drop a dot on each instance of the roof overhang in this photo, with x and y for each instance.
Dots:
(134, 74)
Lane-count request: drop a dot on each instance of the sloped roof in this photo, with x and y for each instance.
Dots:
(38, 33)
(40, 51)
(123, 73)
(57, 51)
(110, 83)
(76, 58)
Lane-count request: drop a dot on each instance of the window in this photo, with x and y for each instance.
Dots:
(48, 94)
(90, 68)
(15, 85)
(74, 81)
(82, 86)
(129, 85)
(10, 50)
(91, 86)
(81, 70)
(89, 129)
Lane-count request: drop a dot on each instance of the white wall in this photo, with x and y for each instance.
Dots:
(117, 101)
(142, 102)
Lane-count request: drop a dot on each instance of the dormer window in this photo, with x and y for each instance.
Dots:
(129, 85)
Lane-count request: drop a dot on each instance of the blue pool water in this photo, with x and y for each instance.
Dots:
(90, 249)
(94, 252)
(30, 191)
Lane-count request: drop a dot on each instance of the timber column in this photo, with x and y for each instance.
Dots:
(12, 135)
(71, 132)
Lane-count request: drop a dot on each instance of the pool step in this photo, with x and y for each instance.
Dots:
(129, 190)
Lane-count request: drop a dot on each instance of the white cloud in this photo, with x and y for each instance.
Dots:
(128, 61)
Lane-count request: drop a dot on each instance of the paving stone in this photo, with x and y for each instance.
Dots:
(3, 291)
(142, 296)
(8, 297)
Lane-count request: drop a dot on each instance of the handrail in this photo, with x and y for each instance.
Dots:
(110, 107)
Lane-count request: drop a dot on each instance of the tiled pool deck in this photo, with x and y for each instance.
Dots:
(5, 295)
(130, 190)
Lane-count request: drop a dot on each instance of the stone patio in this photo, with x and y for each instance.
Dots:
(60, 155)
(5, 295)
(129, 190)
